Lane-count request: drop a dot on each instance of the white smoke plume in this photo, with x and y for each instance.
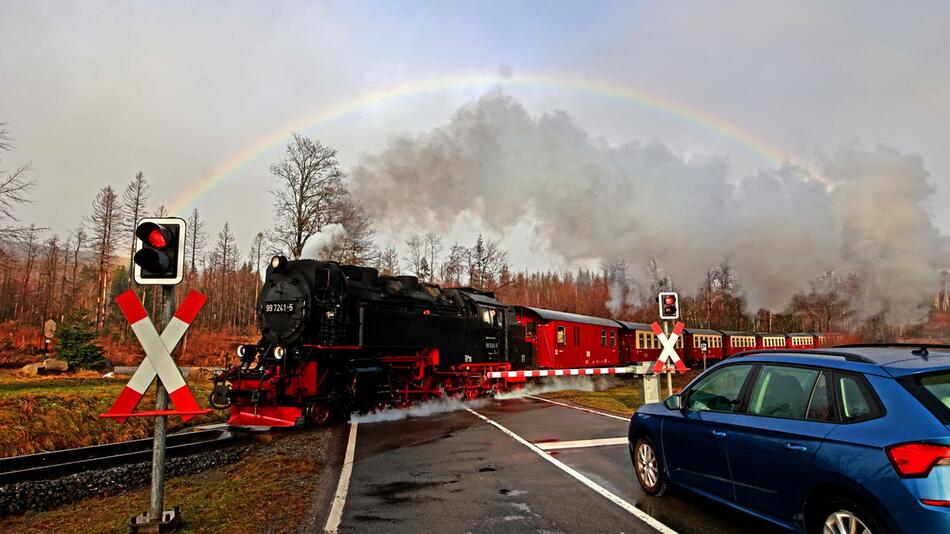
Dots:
(779, 229)
(422, 409)
(564, 383)
(320, 243)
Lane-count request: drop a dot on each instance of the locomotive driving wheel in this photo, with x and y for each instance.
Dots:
(317, 413)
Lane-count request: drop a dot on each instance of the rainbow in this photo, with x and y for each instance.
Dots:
(680, 110)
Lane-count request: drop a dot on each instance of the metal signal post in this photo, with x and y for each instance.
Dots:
(157, 503)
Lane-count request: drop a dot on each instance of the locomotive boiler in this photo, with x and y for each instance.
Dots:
(341, 338)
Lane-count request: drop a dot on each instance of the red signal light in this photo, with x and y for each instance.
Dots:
(917, 459)
(669, 300)
(156, 238)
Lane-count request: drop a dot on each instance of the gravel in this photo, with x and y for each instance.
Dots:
(38, 495)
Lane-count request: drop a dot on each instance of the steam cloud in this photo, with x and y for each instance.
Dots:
(317, 246)
(779, 229)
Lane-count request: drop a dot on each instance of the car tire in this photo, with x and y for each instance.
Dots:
(837, 514)
(648, 467)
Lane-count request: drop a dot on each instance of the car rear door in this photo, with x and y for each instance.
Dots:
(775, 438)
(694, 438)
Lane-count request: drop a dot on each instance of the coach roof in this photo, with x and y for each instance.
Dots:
(552, 315)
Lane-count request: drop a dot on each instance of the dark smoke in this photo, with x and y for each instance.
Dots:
(779, 229)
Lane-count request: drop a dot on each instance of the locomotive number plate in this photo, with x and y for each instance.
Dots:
(279, 307)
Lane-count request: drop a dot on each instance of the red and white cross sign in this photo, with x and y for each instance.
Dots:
(158, 359)
(669, 348)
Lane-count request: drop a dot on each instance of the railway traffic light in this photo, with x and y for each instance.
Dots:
(160, 251)
(669, 305)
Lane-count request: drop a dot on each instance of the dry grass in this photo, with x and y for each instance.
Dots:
(265, 491)
(50, 413)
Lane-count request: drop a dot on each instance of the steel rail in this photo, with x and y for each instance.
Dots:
(55, 464)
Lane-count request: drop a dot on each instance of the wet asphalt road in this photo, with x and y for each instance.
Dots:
(453, 472)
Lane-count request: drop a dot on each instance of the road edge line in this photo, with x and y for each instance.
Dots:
(604, 492)
(581, 408)
(343, 486)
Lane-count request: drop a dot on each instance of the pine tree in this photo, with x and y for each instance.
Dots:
(77, 342)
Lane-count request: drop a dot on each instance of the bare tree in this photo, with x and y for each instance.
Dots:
(309, 187)
(433, 247)
(133, 203)
(454, 266)
(49, 278)
(80, 236)
(30, 245)
(195, 237)
(102, 224)
(15, 188)
(389, 261)
(257, 247)
(415, 254)
(487, 263)
(356, 246)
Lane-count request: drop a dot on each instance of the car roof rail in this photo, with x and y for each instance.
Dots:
(848, 356)
(921, 349)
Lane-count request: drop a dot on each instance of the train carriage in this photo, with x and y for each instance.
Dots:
(567, 340)
(696, 338)
(735, 342)
(769, 341)
(639, 343)
(800, 340)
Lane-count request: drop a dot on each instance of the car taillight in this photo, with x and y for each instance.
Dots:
(917, 459)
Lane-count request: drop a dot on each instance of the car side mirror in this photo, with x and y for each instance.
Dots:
(674, 402)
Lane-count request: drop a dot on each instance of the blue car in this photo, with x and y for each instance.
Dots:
(853, 439)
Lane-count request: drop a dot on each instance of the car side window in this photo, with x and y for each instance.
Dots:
(819, 407)
(719, 392)
(855, 399)
(782, 391)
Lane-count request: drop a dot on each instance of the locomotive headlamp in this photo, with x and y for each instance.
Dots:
(240, 351)
(278, 262)
(279, 352)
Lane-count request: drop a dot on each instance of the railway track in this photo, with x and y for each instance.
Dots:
(55, 464)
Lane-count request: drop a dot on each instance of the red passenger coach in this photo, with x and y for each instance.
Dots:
(638, 343)
(694, 339)
(567, 340)
(800, 341)
(736, 342)
(768, 341)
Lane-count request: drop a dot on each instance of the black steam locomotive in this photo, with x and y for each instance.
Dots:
(337, 338)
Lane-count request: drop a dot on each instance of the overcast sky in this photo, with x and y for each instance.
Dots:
(95, 91)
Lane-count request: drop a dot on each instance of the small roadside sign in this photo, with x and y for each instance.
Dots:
(49, 329)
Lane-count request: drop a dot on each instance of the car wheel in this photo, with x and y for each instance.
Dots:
(649, 468)
(841, 515)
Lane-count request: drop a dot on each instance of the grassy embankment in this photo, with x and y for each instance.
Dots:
(49, 413)
(621, 400)
(224, 499)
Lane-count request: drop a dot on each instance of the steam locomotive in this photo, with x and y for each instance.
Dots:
(337, 338)
(341, 338)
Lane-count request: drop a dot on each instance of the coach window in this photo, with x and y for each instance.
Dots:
(603, 337)
(561, 336)
(531, 329)
(613, 338)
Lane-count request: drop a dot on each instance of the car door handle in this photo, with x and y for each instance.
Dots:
(793, 447)
(718, 434)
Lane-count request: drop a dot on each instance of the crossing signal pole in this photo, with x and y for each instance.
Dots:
(669, 302)
(160, 260)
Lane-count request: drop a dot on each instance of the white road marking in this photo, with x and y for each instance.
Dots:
(581, 443)
(571, 406)
(636, 512)
(336, 511)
